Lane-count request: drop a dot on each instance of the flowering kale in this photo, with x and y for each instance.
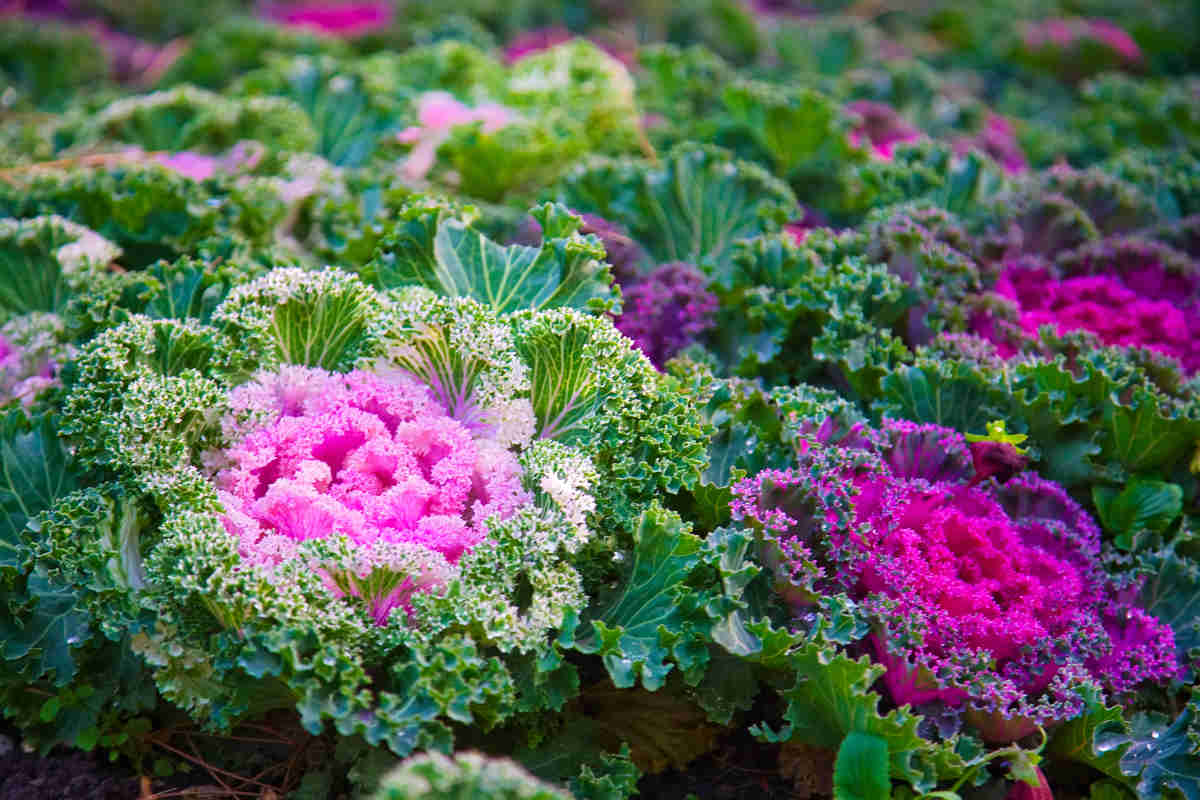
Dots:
(624, 191)
(1070, 258)
(395, 451)
(992, 597)
(535, 41)
(667, 310)
(542, 39)
(187, 118)
(432, 775)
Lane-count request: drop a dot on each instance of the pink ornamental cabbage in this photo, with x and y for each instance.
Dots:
(983, 595)
(880, 128)
(333, 18)
(197, 166)
(319, 455)
(1076, 48)
(438, 114)
(667, 310)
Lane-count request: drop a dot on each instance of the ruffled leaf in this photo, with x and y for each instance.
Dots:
(38, 635)
(289, 316)
(43, 261)
(832, 699)
(1093, 738)
(1162, 754)
(653, 619)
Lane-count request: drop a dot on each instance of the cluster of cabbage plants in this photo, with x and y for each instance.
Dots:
(533, 400)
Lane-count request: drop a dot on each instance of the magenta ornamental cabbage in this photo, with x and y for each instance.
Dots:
(334, 18)
(984, 595)
(535, 41)
(375, 461)
(1147, 316)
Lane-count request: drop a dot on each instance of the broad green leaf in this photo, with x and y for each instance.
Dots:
(445, 254)
(567, 270)
(692, 207)
(44, 260)
(406, 255)
(40, 637)
(1145, 434)
(1140, 505)
(1171, 592)
(832, 698)
(953, 396)
(861, 769)
(186, 289)
(35, 470)
(347, 112)
(799, 128)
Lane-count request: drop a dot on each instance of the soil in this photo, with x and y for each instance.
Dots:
(60, 775)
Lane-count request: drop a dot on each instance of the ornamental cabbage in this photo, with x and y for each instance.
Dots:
(987, 596)
(337, 18)
(1088, 302)
(387, 482)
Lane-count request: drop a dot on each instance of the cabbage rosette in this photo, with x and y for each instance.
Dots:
(985, 590)
(379, 508)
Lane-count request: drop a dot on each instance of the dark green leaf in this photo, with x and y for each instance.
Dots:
(861, 769)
